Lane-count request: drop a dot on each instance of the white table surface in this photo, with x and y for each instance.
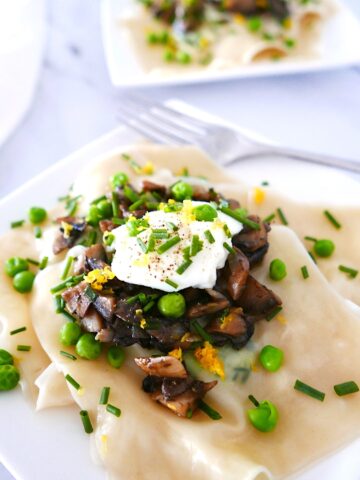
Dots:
(75, 102)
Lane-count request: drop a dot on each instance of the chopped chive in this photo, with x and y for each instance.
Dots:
(17, 223)
(171, 283)
(186, 253)
(18, 330)
(305, 272)
(269, 218)
(312, 256)
(311, 239)
(209, 236)
(346, 388)
(33, 262)
(115, 204)
(109, 239)
(141, 244)
(265, 183)
(169, 244)
(210, 412)
(114, 410)
(130, 194)
(151, 244)
(86, 421)
(89, 292)
(189, 413)
(241, 216)
(118, 221)
(253, 400)
(98, 199)
(227, 231)
(133, 299)
(159, 230)
(72, 205)
(273, 314)
(69, 282)
(68, 316)
(59, 304)
(43, 263)
(104, 397)
(350, 271)
(183, 267)
(196, 245)
(23, 348)
(148, 306)
(201, 332)
(228, 247)
(72, 382)
(67, 267)
(68, 355)
(37, 232)
(160, 235)
(332, 219)
(172, 226)
(91, 238)
(307, 390)
(282, 216)
(139, 203)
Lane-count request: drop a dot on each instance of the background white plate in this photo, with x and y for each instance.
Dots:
(341, 47)
(51, 444)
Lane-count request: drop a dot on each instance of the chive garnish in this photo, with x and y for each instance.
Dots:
(37, 232)
(332, 219)
(43, 263)
(189, 413)
(311, 239)
(141, 244)
(160, 233)
(265, 183)
(350, 271)
(282, 216)
(210, 412)
(72, 382)
(269, 218)
(59, 303)
(72, 205)
(169, 244)
(273, 314)
(68, 316)
(151, 244)
(67, 267)
(310, 391)
(114, 410)
(33, 262)
(241, 216)
(346, 388)
(115, 204)
(209, 236)
(148, 306)
(201, 331)
(17, 223)
(68, 355)
(227, 231)
(312, 256)
(139, 203)
(23, 348)
(228, 247)
(133, 299)
(89, 292)
(171, 283)
(253, 400)
(172, 226)
(69, 282)
(196, 245)
(98, 199)
(86, 421)
(104, 397)
(18, 330)
(91, 238)
(184, 266)
(305, 272)
(130, 194)
(118, 221)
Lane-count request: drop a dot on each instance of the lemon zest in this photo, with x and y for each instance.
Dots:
(104, 445)
(176, 353)
(187, 215)
(281, 319)
(209, 359)
(148, 168)
(259, 195)
(239, 19)
(143, 323)
(68, 228)
(96, 278)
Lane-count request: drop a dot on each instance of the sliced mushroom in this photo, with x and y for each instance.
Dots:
(165, 366)
(232, 328)
(165, 335)
(238, 267)
(204, 194)
(279, 8)
(105, 335)
(105, 305)
(249, 240)
(77, 302)
(246, 7)
(63, 241)
(257, 301)
(200, 309)
(92, 257)
(107, 225)
(92, 322)
(163, 10)
(153, 187)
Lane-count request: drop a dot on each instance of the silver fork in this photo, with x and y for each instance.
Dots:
(166, 125)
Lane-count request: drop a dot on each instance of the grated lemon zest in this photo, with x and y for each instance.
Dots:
(148, 168)
(104, 445)
(176, 353)
(287, 23)
(81, 392)
(209, 359)
(239, 19)
(143, 323)
(68, 228)
(187, 215)
(259, 195)
(96, 278)
(217, 223)
(281, 319)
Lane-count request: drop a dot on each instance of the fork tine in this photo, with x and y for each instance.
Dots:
(142, 131)
(161, 130)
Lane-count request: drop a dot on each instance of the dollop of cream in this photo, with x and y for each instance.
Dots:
(153, 269)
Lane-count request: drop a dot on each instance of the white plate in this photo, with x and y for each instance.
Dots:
(51, 444)
(341, 47)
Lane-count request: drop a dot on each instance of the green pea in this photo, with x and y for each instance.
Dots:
(324, 248)
(264, 417)
(181, 191)
(120, 179)
(183, 57)
(152, 38)
(116, 356)
(163, 37)
(9, 377)
(37, 215)
(23, 281)
(277, 270)
(205, 213)
(169, 55)
(70, 333)
(271, 358)
(104, 209)
(172, 305)
(254, 24)
(93, 217)
(15, 265)
(6, 358)
(87, 347)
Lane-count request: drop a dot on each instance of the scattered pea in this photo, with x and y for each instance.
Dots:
(87, 347)
(9, 377)
(264, 417)
(37, 215)
(23, 281)
(324, 248)
(182, 191)
(15, 265)
(120, 179)
(6, 358)
(116, 356)
(205, 213)
(172, 305)
(104, 209)
(183, 57)
(70, 333)
(271, 358)
(277, 270)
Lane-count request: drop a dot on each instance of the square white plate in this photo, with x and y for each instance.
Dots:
(341, 47)
(51, 444)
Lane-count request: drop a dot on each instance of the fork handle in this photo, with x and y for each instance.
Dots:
(317, 158)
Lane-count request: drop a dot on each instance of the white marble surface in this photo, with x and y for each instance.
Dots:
(75, 102)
